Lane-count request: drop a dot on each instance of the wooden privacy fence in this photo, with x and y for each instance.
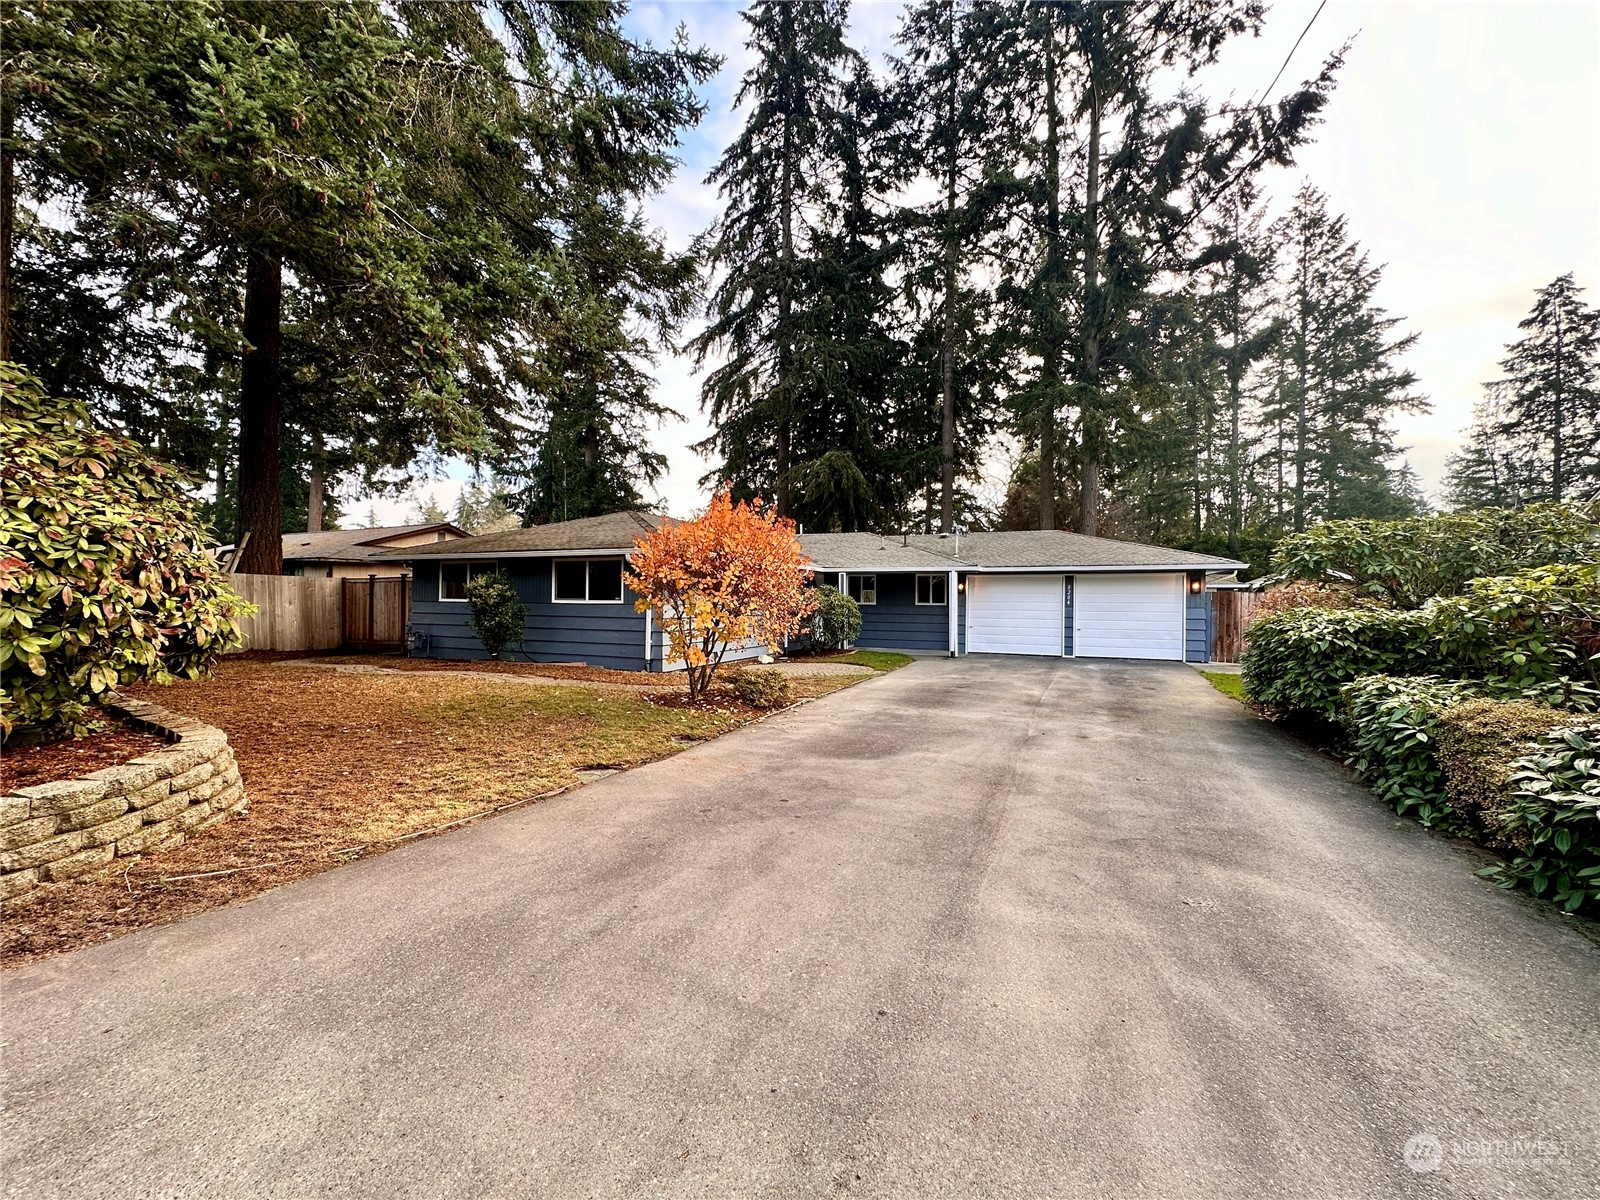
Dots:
(1230, 614)
(292, 612)
(376, 611)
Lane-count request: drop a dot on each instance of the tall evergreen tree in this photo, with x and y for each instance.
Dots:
(1553, 392)
(1339, 383)
(775, 182)
(362, 207)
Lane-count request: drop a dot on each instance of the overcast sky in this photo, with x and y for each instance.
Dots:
(1462, 143)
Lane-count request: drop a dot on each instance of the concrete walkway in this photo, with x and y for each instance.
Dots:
(977, 928)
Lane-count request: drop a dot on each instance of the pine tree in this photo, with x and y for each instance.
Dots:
(1499, 465)
(1553, 394)
(1338, 382)
(774, 181)
(368, 216)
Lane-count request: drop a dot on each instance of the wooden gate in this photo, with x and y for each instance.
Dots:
(376, 612)
(1230, 614)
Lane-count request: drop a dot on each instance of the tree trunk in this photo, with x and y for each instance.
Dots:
(1089, 391)
(785, 381)
(1302, 397)
(261, 419)
(1051, 372)
(316, 484)
(1557, 484)
(947, 348)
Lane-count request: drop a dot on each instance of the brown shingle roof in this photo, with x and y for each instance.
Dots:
(353, 545)
(614, 531)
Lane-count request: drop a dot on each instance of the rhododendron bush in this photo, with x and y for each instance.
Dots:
(733, 576)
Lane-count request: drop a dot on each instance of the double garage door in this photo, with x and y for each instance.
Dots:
(1113, 616)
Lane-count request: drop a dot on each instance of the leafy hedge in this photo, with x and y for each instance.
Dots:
(495, 613)
(758, 689)
(1553, 817)
(1394, 727)
(837, 621)
(1410, 562)
(1296, 662)
(104, 575)
(1476, 743)
(1534, 635)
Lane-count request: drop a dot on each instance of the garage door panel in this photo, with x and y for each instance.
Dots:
(1015, 614)
(1128, 616)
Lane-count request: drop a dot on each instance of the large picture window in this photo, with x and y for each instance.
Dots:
(863, 589)
(933, 589)
(454, 576)
(587, 581)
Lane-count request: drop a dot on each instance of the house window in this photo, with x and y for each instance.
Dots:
(863, 589)
(453, 578)
(587, 581)
(933, 589)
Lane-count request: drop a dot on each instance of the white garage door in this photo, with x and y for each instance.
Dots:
(1128, 616)
(1015, 614)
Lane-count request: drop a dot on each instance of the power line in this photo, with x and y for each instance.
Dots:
(1267, 91)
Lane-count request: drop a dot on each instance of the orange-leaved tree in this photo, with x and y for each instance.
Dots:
(733, 576)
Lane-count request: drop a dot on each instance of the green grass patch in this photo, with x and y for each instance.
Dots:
(1229, 683)
(878, 660)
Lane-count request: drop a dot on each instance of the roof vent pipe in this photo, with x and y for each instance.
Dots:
(905, 538)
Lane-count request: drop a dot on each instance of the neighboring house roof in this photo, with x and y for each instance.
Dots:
(1050, 549)
(614, 532)
(358, 545)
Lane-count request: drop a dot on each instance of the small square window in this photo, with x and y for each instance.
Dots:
(933, 589)
(863, 589)
(605, 579)
(572, 579)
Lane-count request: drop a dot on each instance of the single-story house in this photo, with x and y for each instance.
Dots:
(355, 553)
(1044, 592)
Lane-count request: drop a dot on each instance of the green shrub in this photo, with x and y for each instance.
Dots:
(1554, 816)
(1477, 742)
(837, 621)
(496, 615)
(1535, 633)
(1393, 725)
(104, 575)
(1411, 561)
(758, 689)
(1295, 662)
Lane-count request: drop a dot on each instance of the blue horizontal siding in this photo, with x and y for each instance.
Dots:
(600, 635)
(1196, 628)
(898, 622)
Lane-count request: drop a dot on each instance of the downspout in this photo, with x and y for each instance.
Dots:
(648, 613)
(953, 596)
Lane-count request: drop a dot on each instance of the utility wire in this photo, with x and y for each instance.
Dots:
(1267, 91)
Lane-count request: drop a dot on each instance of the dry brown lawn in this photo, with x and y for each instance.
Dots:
(337, 765)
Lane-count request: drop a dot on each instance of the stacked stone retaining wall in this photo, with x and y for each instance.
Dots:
(55, 831)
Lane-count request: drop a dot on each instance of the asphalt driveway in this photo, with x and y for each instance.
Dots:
(978, 928)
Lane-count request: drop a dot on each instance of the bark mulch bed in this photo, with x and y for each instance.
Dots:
(348, 762)
(575, 672)
(112, 742)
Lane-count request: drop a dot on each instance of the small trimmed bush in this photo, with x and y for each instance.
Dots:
(837, 621)
(495, 613)
(1477, 742)
(758, 689)
(1296, 662)
(1393, 725)
(1554, 815)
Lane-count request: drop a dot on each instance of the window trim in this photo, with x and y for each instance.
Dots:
(861, 600)
(916, 590)
(622, 598)
(480, 567)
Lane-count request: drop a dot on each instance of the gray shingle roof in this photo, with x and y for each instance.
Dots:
(614, 531)
(352, 545)
(1042, 548)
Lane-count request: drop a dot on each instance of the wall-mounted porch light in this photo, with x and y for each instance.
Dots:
(1197, 583)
